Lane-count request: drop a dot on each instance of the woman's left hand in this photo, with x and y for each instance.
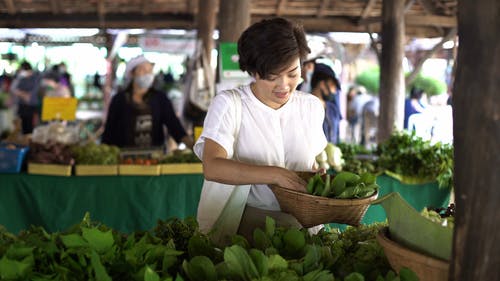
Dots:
(288, 179)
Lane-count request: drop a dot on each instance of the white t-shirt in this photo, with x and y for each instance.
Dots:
(288, 137)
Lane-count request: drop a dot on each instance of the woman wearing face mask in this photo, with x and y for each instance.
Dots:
(137, 114)
(326, 87)
(279, 131)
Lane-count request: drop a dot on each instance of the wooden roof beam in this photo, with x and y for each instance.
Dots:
(54, 6)
(191, 6)
(408, 5)
(368, 8)
(101, 12)
(91, 20)
(10, 6)
(428, 6)
(427, 20)
(281, 7)
(322, 8)
(145, 7)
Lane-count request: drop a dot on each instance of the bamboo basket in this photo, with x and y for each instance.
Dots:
(311, 210)
(427, 268)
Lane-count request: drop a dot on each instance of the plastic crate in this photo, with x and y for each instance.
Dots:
(11, 158)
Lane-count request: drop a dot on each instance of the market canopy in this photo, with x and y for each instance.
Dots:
(424, 18)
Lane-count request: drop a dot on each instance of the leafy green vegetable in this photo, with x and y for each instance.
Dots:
(406, 154)
(93, 154)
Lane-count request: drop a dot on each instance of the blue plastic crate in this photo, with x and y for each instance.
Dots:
(11, 159)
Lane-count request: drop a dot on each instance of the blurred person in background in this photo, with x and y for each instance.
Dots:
(137, 114)
(64, 76)
(356, 100)
(25, 88)
(52, 86)
(326, 87)
(414, 104)
(306, 74)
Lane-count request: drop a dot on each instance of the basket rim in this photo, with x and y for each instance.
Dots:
(327, 200)
(392, 246)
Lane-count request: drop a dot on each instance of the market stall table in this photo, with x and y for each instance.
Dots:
(125, 203)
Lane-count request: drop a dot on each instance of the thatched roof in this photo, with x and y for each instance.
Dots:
(424, 18)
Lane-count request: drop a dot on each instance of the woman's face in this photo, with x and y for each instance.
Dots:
(275, 90)
(142, 69)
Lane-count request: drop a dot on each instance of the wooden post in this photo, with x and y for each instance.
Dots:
(392, 83)
(476, 121)
(234, 18)
(206, 24)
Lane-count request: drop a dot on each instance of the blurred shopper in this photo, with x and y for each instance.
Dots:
(137, 115)
(414, 104)
(64, 76)
(52, 86)
(356, 100)
(306, 74)
(326, 87)
(24, 88)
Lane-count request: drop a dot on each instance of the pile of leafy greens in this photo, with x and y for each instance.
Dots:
(406, 154)
(176, 250)
(403, 154)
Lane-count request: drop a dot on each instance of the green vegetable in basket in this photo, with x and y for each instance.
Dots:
(328, 187)
(345, 185)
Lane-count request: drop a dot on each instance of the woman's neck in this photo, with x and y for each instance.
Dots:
(138, 95)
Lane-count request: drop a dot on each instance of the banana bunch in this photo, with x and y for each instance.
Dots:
(330, 157)
(344, 185)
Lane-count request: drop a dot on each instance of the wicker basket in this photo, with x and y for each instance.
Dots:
(313, 210)
(426, 267)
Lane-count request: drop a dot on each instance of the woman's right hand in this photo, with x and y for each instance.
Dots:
(288, 179)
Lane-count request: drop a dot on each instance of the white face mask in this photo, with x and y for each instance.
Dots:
(144, 81)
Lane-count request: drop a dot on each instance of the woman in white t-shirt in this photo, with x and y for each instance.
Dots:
(280, 131)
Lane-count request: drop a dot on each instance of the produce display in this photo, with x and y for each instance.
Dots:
(344, 185)
(181, 156)
(408, 155)
(404, 155)
(93, 154)
(330, 157)
(443, 216)
(50, 153)
(176, 250)
(139, 160)
(355, 164)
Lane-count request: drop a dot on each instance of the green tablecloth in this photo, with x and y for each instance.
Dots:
(125, 203)
(131, 203)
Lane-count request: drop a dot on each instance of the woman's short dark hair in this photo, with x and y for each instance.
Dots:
(269, 46)
(416, 93)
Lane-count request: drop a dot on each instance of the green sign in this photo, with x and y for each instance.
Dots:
(229, 66)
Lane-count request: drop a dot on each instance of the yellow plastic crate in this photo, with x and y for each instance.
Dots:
(96, 170)
(49, 169)
(181, 168)
(139, 170)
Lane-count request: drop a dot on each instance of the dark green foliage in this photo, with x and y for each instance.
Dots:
(430, 85)
(408, 155)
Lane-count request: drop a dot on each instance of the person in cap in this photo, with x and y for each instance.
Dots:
(138, 114)
(280, 132)
(326, 87)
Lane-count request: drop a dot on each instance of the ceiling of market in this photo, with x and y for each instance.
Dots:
(424, 18)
